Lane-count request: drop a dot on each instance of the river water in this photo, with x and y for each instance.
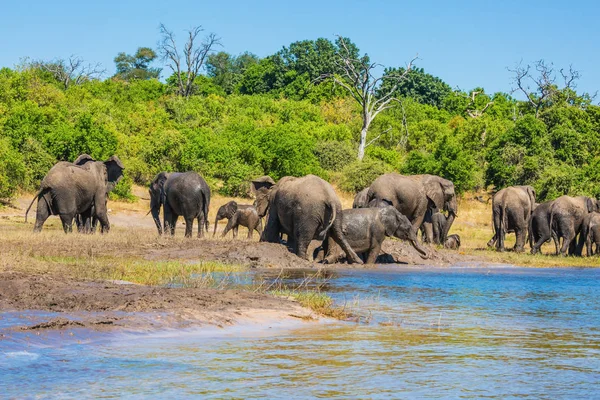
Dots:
(429, 333)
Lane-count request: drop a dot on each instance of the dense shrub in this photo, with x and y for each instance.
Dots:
(360, 174)
(333, 155)
(12, 170)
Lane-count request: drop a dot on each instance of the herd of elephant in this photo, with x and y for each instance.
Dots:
(574, 220)
(303, 209)
(307, 208)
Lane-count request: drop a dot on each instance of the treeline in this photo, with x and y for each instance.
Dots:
(248, 116)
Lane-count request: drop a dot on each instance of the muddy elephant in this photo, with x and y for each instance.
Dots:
(236, 215)
(511, 209)
(69, 189)
(539, 231)
(452, 242)
(361, 200)
(566, 219)
(183, 194)
(365, 229)
(439, 223)
(304, 209)
(417, 197)
(591, 233)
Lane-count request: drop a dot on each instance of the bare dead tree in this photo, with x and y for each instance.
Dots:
(73, 71)
(538, 83)
(357, 78)
(472, 110)
(194, 54)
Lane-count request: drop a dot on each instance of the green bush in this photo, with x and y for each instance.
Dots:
(334, 156)
(360, 174)
(12, 170)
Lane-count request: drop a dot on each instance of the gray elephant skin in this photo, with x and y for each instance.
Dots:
(236, 215)
(566, 219)
(591, 233)
(183, 194)
(511, 209)
(304, 209)
(361, 200)
(439, 223)
(69, 189)
(539, 231)
(452, 242)
(365, 229)
(414, 196)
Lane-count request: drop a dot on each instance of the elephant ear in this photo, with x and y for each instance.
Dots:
(434, 190)
(591, 206)
(531, 194)
(114, 171)
(231, 208)
(259, 183)
(83, 159)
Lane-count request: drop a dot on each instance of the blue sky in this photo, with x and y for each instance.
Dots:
(468, 43)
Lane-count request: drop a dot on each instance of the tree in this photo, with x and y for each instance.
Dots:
(423, 87)
(137, 66)
(69, 72)
(545, 89)
(227, 70)
(194, 55)
(356, 76)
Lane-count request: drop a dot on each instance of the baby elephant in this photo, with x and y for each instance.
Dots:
(452, 242)
(242, 214)
(365, 230)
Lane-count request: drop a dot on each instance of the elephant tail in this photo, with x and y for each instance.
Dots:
(36, 197)
(503, 220)
(529, 235)
(205, 201)
(333, 215)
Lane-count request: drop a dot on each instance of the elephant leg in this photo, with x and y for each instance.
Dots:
(200, 221)
(428, 233)
(67, 222)
(373, 253)
(189, 225)
(568, 236)
(235, 231)
(555, 239)
(170, 219)
(250, 231)
(84, 225)
(41, 215)
(338, 237)
(301, 248)
(520, 242)
(229, 226)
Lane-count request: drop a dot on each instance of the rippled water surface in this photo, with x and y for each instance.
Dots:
(453, 332)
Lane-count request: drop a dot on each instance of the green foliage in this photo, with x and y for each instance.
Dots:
(12, 170)
(418, 85)
(334, 155)
(137, 66)
(360, 174)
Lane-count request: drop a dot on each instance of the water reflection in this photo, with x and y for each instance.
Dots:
(460, 332)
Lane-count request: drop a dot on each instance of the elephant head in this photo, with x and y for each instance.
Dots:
(261, 188)
(398, 226)
(441, 193)
(592, 205)
(158, 197)
(113, 167)
(227, 210)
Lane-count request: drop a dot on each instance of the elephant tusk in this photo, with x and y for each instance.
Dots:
(148, 213)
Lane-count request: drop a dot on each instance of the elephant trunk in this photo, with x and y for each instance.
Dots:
(156, 216)
(216, 222)
(449, 222)
(422, 252)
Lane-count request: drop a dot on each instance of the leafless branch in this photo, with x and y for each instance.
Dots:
(378, 136)
(194, 55)
(74, 70)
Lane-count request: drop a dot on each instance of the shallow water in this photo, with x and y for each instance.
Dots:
(452, 332)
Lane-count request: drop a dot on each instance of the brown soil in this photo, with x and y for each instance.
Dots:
(102, 305)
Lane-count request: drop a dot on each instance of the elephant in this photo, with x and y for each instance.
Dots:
(180, 193)
(511, 210)
(566, 219)
(365, 229)
(304, 209)
(238, 214)
(452, 242)
(69, 189)
(361, 199)
(417, 197)
(591, 233)
(89, 225)
(439, 221)
(539, 228)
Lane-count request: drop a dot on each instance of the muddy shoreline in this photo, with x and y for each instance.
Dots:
(102, 305)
